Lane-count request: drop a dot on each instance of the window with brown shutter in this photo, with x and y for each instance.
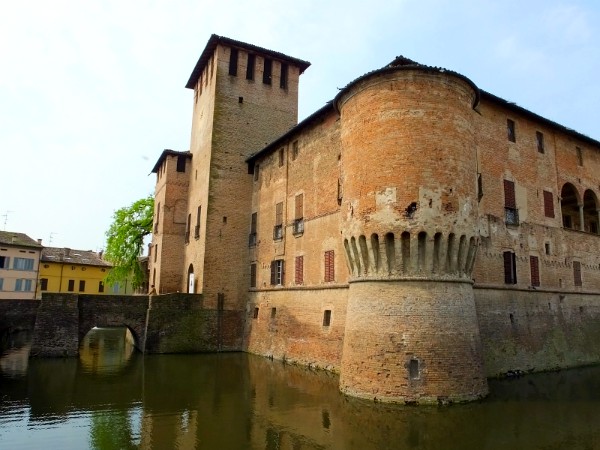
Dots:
(299, 215)
(277, 272)
(329, 266)
(548, 204)
(510, 268)
(299, 270)
(535, 270)
(510, 204)
(278, 229)
(577, 273)
(252, 237)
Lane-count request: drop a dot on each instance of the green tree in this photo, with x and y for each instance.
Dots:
(125, 241)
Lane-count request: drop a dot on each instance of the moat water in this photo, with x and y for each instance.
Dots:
(111, 397)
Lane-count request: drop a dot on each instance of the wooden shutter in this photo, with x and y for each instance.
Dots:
(509, 195)
(253, 223)
(535, 270)
(510, 270)
(273, 272)
(279, 213)
(329, 266)
(299, 270)
(299, 206)
(252, 275)
(548, 204)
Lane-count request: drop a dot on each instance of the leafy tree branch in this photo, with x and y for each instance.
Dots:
(125, 241)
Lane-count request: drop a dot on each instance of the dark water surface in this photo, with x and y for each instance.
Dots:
(114, 398)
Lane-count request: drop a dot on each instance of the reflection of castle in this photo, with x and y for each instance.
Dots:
(351, 240)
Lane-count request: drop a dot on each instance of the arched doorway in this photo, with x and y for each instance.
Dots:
(190, 280)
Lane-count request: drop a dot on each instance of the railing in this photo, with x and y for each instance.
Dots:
(511, 216)
(277, 232)
(298, 227)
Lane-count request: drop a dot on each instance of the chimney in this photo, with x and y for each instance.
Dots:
(67, 251)
(100, 254)
(39, 241)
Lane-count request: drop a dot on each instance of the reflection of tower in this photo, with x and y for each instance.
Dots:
(409, 228)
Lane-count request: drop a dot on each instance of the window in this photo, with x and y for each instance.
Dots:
(273, 312)
(255, 314)
(256, 167)
(81, 285)
(329, 266)
(534, 265)
(479, 186)
(253, 222)
(510, 129)
(4, 262)
(157, 219)
(277, 272)
(326, 317)
(299, 215)
(187, 228)
(299, 270)
(71, 286)
(23, 285)
(510, 203)
(250, 66)
(181, 163)
(510, 268)
(567, 222)
(44, 284)
(278, 229)
(1, 284)
(253, 275)
(548, 204)
(233, 61)
(267, 71)
(22, 263)
(539, 137)
(197, 227)
(294, 150)
(281, 157)
(577, 273)
(155, 252)
(413, 369)
(283, 79)
(579, 156)
(100, 286)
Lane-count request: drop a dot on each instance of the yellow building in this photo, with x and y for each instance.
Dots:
(69, 270)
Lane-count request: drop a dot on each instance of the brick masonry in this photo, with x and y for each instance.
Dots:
(402, 179)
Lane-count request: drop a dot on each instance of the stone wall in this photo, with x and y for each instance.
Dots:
(531, 331)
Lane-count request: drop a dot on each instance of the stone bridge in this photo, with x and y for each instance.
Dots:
(172, 323)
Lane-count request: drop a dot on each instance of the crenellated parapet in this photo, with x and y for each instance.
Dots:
(403, 255)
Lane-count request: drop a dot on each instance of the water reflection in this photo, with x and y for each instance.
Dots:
(106, 350)
(239, 401)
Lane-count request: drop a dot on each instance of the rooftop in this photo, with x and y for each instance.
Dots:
(18, 239)
(72, 256)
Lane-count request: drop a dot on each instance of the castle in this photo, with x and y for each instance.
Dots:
(415, 235)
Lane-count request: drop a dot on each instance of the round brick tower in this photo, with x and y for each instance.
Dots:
(409, 225)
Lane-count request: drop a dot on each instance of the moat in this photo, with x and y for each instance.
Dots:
(112, 397)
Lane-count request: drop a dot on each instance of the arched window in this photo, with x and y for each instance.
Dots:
(590, 212)
(569, 207)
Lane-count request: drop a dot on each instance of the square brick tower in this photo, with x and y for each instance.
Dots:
(244, 98)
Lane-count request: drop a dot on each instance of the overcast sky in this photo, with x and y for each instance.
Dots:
(91, 92)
